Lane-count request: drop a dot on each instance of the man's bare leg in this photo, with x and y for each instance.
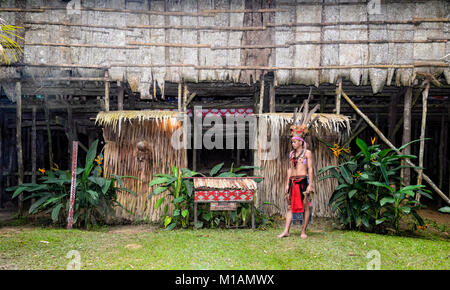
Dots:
(306, 216)
(285, 233)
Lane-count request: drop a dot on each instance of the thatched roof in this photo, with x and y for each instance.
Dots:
(332, 123)
(307, 43)
(115, 119)
(205, 183)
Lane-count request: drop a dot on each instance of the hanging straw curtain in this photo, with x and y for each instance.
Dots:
(122, 132)
(329, 128)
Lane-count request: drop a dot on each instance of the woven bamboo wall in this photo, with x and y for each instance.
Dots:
(303, 42)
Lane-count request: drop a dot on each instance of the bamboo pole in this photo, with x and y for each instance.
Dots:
(261, 97)
(406, 172)
(185, 120)
(1, 160)
(382, 137)
(33, 147)
(422, 134)
(18, 92)
(442, 155)
(106, 92)
(49, 134)
(411, 106)
(120, 96)
(338, 96)
(81, 45)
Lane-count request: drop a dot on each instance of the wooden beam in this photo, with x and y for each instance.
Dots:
(422, 134)
(18, 93)
(382, 137)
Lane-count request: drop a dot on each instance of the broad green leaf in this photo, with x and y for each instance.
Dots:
(247, 167)
(363, 146)
(158, 180)
(55, 212)
(159, 202)
(445, 209)
(216, 169)
(176, 212)
(385, 200)
(379, 221)
(379, 184)
(171, 227)
(406, 209)
(184, 213)
(326, 168)
(178, 200)
(167, 220)
(351, 193)
(157, 190)
(346, 174)
(189, 186)
(38, 203)
(325, 177)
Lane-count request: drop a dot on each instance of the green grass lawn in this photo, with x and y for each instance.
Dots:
(148, 247)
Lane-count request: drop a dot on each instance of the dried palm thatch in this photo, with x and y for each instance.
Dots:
(224, 183)
(330, 128)
(138, 143)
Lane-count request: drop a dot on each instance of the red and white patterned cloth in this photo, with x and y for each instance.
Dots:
(223, 195)
(221, 112)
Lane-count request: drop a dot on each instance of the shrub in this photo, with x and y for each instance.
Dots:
(96, 196)
(370, 194)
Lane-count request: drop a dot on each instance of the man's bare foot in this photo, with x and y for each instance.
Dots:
(282, 235)
(303, 235)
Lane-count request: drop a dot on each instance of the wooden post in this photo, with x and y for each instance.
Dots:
(322, 103)
(49, 134)
(382, 137)
(422, 135)
(261, 97)
(185, 120)
(272, 96)
(406, 172)
(69, 129)
(19, 142)
(393, 117)
(106, 92)
(120, 96)
(442, 143)
(338, 96)
(33, 147)
(1, 159)
(253, 214)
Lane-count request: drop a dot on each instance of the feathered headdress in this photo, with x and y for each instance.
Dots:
(301, 125)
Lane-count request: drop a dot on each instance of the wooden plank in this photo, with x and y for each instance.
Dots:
(338, 96)
(215, 206)
(272, 96)
(19, 143)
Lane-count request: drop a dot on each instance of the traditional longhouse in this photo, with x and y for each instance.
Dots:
(262, 57)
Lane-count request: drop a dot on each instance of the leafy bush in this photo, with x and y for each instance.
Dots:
(181, 189)
(96, 196)
(370, 194)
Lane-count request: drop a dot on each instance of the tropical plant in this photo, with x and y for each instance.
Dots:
(370, 194)
(9, 47)
(96, 196)
(181, 189)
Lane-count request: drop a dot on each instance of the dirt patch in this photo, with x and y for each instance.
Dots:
(14, 230)
(437, 216)
(131, 230)
(133, 246)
